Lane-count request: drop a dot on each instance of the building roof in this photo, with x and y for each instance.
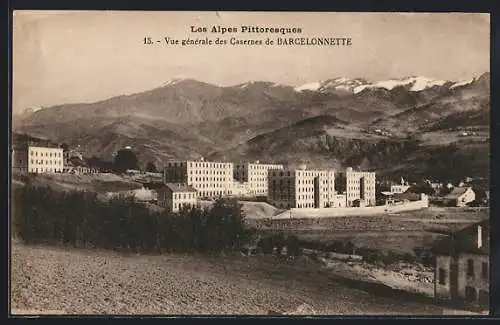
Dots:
(175, 187)
(465, 241)
(153, 185)
(407, 195)
(456, 193)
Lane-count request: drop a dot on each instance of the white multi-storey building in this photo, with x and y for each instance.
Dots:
(255, 176)
(209, 178)
(302, 188)
(359, 188)
(37, 160)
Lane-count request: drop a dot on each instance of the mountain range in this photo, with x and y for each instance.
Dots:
(396, 126)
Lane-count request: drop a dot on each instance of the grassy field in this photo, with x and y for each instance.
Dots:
(400, 232)
(99, 183)
(97, 282)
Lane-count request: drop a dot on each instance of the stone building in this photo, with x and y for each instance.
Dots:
(36, 159)
(301, 188)
(462, 268)
(254, 175)
(211, 179)
(173, 196)
(358, 186)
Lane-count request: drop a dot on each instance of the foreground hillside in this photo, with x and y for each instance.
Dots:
(89, 282)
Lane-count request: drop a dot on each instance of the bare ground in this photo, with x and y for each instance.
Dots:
(100, 282)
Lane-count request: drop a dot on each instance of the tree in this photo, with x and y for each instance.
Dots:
(65, 146)
(150, 167)
(125, 159)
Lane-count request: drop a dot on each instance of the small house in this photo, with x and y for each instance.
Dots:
(462, 267)
(460, 196)
(174, 196)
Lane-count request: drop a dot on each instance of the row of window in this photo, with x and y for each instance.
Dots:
(180, 205)
(357, 188)
(213, 193)
(46, 162)
(184, 196)
(470, 272)
(209, 172)
(357, 181)
(47, 154)
(208, 179)
(45, 170)
(263, 166)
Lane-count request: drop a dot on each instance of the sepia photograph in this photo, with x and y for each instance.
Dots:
(170, 163)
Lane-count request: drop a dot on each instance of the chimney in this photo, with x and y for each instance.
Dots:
(479, 236)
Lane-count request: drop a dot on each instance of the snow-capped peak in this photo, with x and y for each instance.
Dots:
(172, 82)
(313, 86)
(31, 110)
(462, 83)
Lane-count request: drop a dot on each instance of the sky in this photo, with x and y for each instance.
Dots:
(74, 56)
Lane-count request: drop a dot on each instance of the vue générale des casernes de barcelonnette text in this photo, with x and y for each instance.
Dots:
(290, 32)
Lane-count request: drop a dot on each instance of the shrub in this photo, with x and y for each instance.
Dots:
(293, 247)
(42, 215)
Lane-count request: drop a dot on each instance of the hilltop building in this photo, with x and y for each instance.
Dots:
(460, 196)
(358, 186)
(462, 266)
(211, 179)
(34, 159)
(173, 196)
(254, 175)
(302, 188)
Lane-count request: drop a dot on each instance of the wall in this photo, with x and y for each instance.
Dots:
(442, 291)
(331, 212)
(475, 281)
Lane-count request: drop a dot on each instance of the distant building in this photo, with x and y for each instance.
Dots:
(241, 189)
(144, 195)
(460, 196)
(301, 188)
(211, 179)
(400, 188)
(359, 187)
(173, 196)
(37, 160)
(462, 266)
(255, 176)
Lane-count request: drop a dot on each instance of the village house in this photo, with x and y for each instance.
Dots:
(462, 267)
(174, 196)
(460, 196)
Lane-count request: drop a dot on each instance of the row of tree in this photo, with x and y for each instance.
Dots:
(80, 219)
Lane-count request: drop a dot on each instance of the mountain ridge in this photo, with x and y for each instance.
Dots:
(185, 118)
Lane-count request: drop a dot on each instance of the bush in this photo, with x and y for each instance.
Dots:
(293, 247)
(42, 215)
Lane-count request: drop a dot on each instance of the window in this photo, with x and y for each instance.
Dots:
(470, 294)
(470, 267)
(484, 270)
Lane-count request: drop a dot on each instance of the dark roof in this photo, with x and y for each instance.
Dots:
(456, 193)
(175, 187)
(465, 241)
(153, 185)
(408, 195)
